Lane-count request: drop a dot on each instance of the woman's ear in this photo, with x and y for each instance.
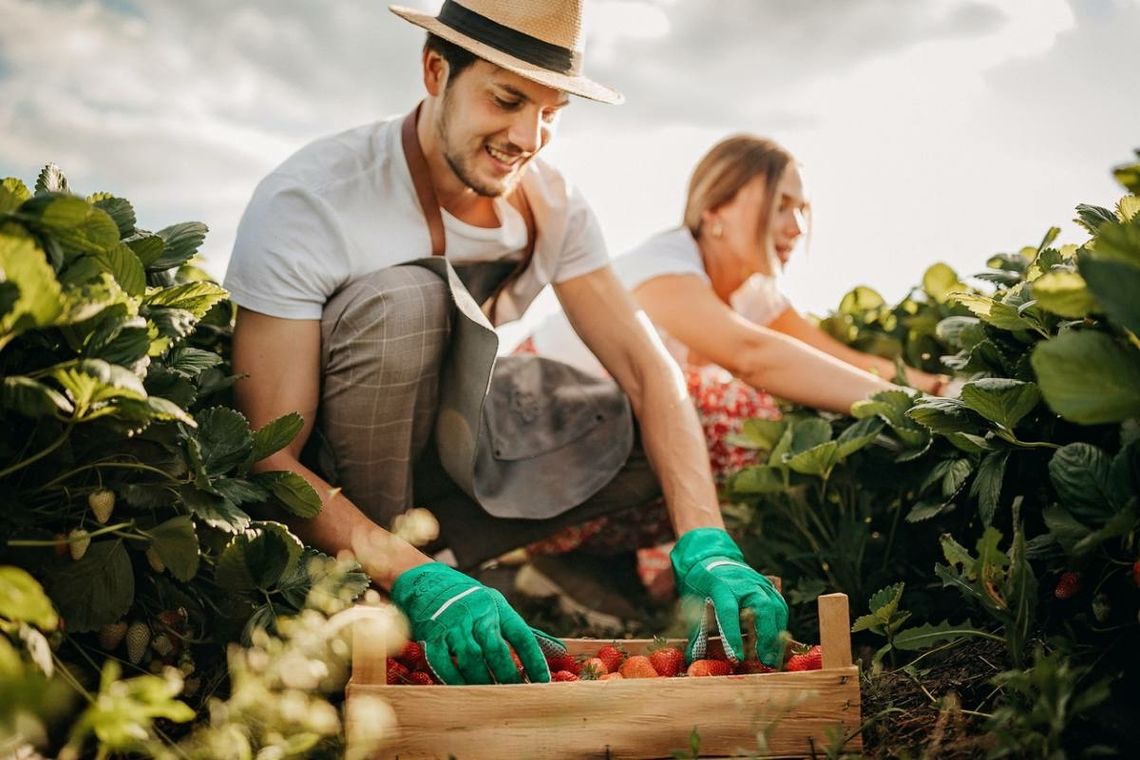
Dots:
(711, 222)
(435, 73)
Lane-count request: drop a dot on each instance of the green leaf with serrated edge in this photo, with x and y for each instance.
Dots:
(782, 447)
(818, 460)
(292, 491)
(809, 433)
(1119, 242)
(51, 180)
(957, 555)
(968, 443)
(885, 601)
(31, 398)
(1079, 473)
(929, 634)
(240, 491)
(13, 193)
(176, 544)
(194, 297)
(938, 281)
(1064, 293)
(1128, 207)
(23, 264)
(861, 434)
(1001, 400)
(275, 435)
(122, 264)
(760, 434)
(216, 511)
(991, 568)
(924, 510)
(226, 442)
(1124, 473)
(946, 415)
(1011, 262)
(1120, 524)
(22, 599)
(171, 324)
(992, 312)
(955, 477)
(181, 242)
(1088, 377)
(257, 557)
(95, 590)
(1115, 285)
(74, 223)
(758, 479)
(1092, 217)
(859, 300)
(190, 362)
(147, 246)
(119, 209)
(988, 483)
(960, 332)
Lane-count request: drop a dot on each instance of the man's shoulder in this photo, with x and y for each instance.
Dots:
(329, 163)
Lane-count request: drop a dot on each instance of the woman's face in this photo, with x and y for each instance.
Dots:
(746, 237)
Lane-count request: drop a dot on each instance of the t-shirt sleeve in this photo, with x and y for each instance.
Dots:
(669, 253)
(289, 255)
(584, 248)
(759, 300)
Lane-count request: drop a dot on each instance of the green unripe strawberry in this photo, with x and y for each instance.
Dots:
(102, 503)
(138, 638)
(77, 543)
(111, 635)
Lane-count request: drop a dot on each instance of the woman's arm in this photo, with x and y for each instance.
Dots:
(791, 323)
(686, 308)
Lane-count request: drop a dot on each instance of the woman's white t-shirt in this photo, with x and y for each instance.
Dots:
(674, 252)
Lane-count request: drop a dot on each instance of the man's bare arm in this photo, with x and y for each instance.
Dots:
(607, 319)
(281, 359)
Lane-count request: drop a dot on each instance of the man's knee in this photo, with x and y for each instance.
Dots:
(399, 317)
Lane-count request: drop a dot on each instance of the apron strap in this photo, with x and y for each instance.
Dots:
(429, 203)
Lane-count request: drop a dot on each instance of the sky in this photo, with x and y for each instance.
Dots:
(940, 130)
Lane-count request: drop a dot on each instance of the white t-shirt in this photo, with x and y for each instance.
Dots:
(345, 205)
(671, 252)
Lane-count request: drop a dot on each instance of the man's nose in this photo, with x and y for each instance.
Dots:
(526, 130)
(796, 223)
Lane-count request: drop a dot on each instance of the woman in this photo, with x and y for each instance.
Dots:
(708, 287)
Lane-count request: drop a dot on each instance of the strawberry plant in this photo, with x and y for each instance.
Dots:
(126, 473)
(1035, 464)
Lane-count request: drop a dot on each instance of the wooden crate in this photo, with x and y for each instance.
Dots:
(762, 715)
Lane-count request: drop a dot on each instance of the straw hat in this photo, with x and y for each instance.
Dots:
(541, 40)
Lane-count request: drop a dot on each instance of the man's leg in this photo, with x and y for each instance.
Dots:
(383, 339)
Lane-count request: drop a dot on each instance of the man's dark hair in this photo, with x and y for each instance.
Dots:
(457, 58)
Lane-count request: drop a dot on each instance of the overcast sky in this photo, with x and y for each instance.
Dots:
(933, 130)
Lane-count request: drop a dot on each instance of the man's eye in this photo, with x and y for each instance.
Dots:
(506, 105)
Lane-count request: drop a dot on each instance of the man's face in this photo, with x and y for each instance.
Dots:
(492, 123)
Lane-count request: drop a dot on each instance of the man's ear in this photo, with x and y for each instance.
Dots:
(435, 73)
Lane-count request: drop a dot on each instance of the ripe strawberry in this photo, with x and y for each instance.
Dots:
(78, 541)
(102, 503)
(612, 657)
(397, 672)
(155, 561)
(111, 635)
(667, 661)
(567, 662)
(592, 669)
(60, 548)
(1068, 585)
(612, 677)
(638, 666)
(563, 675)
(138, 637)
(702, 668)
(812, 659)
(1136, 573)
(412, 655)
(421, 678)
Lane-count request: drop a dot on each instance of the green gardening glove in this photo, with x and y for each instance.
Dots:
(710, 568)
(453, 615)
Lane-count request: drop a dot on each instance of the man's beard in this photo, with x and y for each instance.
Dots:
(460, 165)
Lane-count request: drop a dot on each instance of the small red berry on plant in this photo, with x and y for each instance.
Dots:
(1068, 585)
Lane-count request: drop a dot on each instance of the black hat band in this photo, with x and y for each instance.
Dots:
(510, 41)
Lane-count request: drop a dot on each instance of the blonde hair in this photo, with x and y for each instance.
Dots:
(728, 166)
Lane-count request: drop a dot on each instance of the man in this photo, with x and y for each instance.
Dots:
(333, 319)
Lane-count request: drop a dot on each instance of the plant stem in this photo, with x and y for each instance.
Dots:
(52, 542)
(96, 465)
(37, 456)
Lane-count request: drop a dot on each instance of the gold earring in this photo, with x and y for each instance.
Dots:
(717, 230)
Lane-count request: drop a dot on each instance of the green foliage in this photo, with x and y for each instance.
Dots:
(114, 365)
(1040, 445)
